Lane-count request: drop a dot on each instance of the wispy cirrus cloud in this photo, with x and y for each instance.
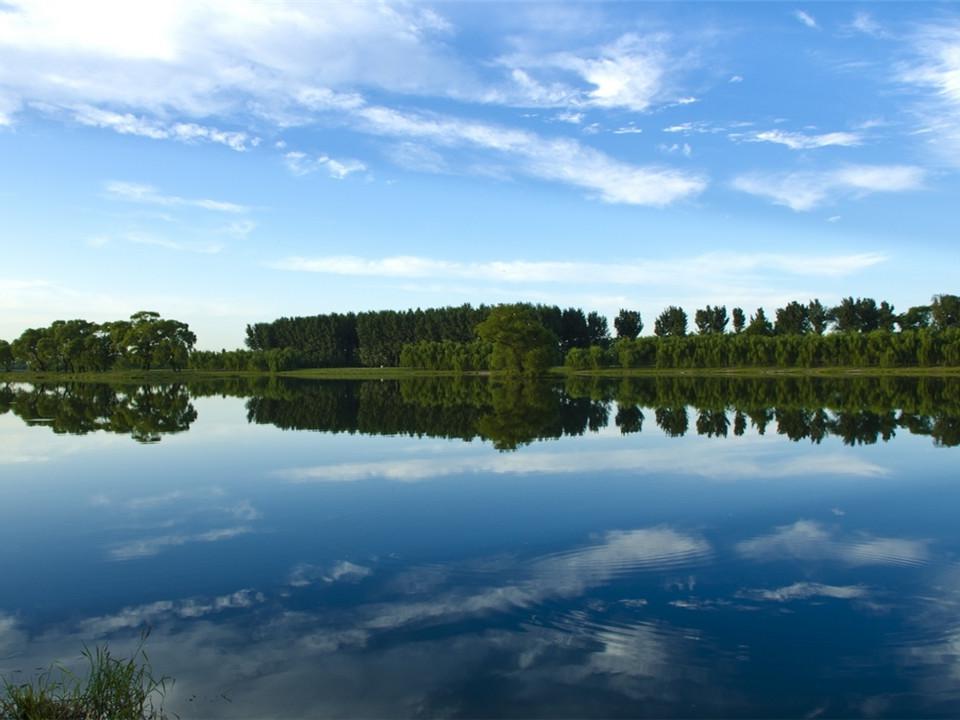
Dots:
(553, 159)
(935, 71)
(802, 191)
(187, 132)
(149, 195)
(806, 18)
(145, 238)
(682, 270)
(301, 63)
(863, 22)
(804, 141)
(299, 163)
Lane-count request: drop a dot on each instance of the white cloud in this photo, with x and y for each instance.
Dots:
(300, 163)
(688, 128)
(629, 73)
(628, 129)
(292, 63)
(554, 159)
(800, 141)
(205, 59)
(864, 22)
(129, 124)
(690, 270)
(574, 118)
(735, 79)
(801, 191)
(417, 157)
(935, 70)
(880, 178)
(147, 194)
(683, 149)
(806, 18)
(239, 228)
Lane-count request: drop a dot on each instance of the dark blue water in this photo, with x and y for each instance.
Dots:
(311, 550)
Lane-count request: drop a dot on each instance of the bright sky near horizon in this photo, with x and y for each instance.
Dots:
(229, 162)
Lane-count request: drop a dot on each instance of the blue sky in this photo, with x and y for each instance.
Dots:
(224, 163)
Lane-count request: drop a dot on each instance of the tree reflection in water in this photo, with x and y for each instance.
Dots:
(513, 412)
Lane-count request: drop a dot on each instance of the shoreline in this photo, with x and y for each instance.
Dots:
(170, 376)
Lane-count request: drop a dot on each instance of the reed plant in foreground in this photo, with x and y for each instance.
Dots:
(112, 689)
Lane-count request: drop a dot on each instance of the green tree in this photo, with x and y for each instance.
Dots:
(574, 331)
(916, 318)
(739, 320)
(794, 319)
(844, 316)
(520, 343)
(33, 349)
(759, 325)
(945, 311)
(886, 317)
(149, 341)
(628, 324)
(711, 320)
(672, 322)
(818, 316)
(6, 355)
(598, 332)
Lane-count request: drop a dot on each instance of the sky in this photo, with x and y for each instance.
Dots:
(225, 163)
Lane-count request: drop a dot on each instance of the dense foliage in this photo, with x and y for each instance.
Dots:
(516, 338)
(276, 360)
(377, 339)
(144, 342)
(862, 335)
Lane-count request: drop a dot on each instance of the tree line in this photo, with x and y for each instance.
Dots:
(375, 339)
(856, 332)
(145, 342)
(517, 339)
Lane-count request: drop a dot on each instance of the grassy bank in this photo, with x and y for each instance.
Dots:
(169, 376)
(354, 373)
(115, 688)
(764, 372)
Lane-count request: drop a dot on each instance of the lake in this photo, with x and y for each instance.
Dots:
(645, 547)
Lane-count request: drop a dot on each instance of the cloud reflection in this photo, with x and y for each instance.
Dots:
(731, 464)
(152, 546)
(808, 540)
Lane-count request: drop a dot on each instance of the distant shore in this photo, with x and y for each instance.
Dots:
(388, 373)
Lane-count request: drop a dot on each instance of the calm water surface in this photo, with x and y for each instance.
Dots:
(669, 547)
